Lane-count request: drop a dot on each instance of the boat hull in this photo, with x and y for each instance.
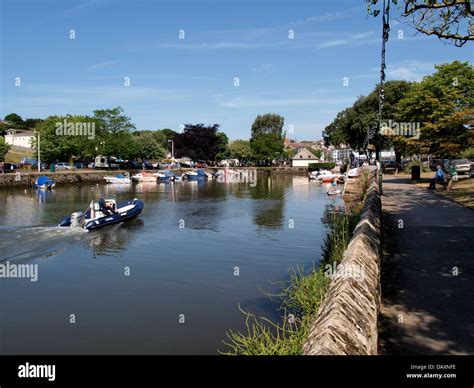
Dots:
(119, 216)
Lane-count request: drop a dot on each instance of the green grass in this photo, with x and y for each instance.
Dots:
(299, 300)
(14, 155)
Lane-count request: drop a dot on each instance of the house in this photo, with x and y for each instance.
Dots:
(303, 158)
(20, 138)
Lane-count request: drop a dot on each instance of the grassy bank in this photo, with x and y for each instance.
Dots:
(298, 300)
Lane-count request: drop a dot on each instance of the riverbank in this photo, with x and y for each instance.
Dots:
(26, 178)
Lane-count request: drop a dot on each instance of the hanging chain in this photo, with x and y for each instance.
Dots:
(381, 94)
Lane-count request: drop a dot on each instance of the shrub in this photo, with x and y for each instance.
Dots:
(321, 166)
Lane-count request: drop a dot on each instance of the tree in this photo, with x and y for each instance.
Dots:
(266, 148)
(224, 152)
(446, 19)
(147, 147)
(351, 126)
(15, 121)
(4, 148)
(162, 136)
(241, 150)
(198, 142)
(114, 134)
(442, 104)
(113, 120)
(61, 145)
(267, 137)
(269, 123)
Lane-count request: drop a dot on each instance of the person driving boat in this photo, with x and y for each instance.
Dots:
(105, 207)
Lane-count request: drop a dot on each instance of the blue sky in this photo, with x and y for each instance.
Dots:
(175, 81)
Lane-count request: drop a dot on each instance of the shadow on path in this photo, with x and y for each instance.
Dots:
(427, 273)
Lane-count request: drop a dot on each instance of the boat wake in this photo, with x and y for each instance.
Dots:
(20, 243)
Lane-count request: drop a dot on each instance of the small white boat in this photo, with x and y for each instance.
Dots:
(325, 176)
(334, 192)
(118, 179)
(145, 177)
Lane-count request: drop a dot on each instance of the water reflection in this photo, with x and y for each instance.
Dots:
(114, 239)
(269, 206)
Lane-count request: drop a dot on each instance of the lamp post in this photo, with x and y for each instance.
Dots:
(172, 148)
(38, 150)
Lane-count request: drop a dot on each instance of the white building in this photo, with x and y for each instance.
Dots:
(20, 138)
(341, 154)
(303, 158)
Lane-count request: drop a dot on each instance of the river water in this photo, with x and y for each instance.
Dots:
(167, 282)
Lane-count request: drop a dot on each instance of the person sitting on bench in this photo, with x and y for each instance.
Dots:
(104, 207)
(438, 178)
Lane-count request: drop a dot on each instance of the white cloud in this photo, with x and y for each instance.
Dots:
(101, 65)
(255, 102)
(356, 38)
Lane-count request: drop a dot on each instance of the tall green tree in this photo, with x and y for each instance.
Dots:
(114, 133)
(443, 105)
(15, 121)
(224, 152)
(267, 138)
(147, 146)
(61, 144)
(241, 150)
(164, 135)
(352, 125)
(269, 123)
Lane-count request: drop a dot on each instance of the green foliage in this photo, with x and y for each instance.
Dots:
(263, 337)
(163, 135)
(413, 163)
(301, 297)
(352, 124)
(241, 150)
(321, 166)
(15, 121)
(147, 146)
(224, 151)
(267, 138)
(267, 124)
(341, 227)
(198, 142)
(113, 120)
(442, 103)
(61, 146)
(4, 148)
(266, 147)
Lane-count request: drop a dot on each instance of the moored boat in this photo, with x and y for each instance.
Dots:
(118, 179)
(145, 177)
(44, 182)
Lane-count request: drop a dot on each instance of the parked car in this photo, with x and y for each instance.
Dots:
(63, 166)
(471, 171)
(102, 162)
(130, 165)
(462, 166)
(79, 165)
(7, 167)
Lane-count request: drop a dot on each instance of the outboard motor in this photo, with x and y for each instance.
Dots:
(77, 220)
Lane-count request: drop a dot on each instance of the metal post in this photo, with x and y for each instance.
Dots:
(39, 153)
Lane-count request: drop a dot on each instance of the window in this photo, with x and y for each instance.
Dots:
(301, 156)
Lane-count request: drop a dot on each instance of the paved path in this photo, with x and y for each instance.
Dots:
(426, 309)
